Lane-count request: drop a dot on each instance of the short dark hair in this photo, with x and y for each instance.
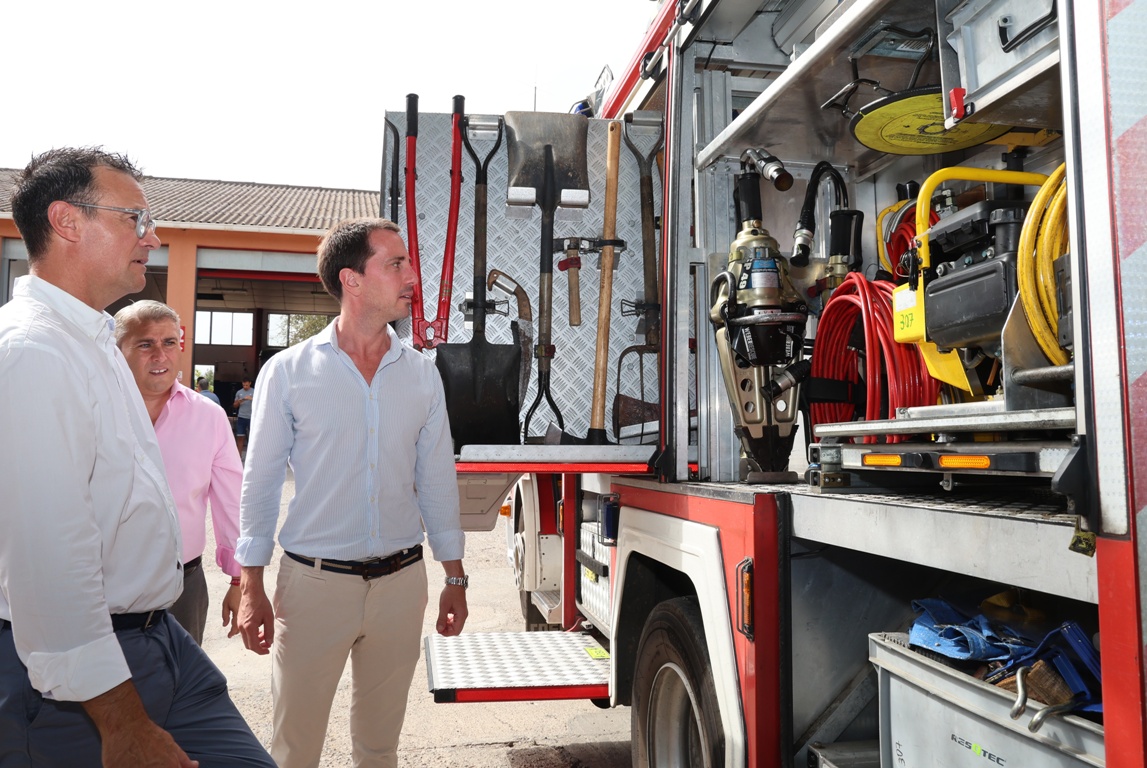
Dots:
(201, 382)
(347, 244)
(59, 174)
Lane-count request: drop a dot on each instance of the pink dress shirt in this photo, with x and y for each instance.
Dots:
(202, 464)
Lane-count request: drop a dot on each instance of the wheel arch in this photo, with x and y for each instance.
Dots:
(660, 557)
(647, 583)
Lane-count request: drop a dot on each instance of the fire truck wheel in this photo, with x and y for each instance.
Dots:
(675, 713)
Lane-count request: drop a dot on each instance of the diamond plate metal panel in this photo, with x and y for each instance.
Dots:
(595, 591)
(515, 660)
(513, 246)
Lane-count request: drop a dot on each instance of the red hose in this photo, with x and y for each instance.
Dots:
(895, 375)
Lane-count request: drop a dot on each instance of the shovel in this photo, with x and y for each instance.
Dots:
(547, 167)
(481, 379)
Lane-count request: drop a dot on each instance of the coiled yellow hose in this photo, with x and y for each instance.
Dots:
(1043, 239)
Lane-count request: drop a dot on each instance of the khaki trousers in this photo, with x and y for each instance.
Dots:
(320, 619)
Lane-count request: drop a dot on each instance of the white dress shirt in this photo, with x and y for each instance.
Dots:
(373, 464)
(88, 527)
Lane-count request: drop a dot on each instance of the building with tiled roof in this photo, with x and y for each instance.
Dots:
(230, 251)
(202, 204)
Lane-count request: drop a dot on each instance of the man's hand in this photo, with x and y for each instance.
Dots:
(256, 616)
(129, 736)
(231, 602)
(452, 611)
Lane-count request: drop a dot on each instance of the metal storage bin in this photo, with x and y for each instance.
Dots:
(932, 715)
(1004, 54)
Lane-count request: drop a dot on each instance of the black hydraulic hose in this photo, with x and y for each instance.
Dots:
(926, 56)
(806, 224)
(749, 197)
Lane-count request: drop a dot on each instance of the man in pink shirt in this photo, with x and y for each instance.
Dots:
(199, 455)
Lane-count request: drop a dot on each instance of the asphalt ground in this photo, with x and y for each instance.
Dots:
(541, 734)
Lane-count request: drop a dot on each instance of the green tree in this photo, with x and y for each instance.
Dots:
(209, 374)
(291, 329)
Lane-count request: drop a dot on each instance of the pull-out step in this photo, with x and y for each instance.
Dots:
(516, 666)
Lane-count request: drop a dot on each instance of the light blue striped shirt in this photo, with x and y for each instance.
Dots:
(373, 464)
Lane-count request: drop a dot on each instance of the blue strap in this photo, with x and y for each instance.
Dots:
(1069, 649)
(945, 630)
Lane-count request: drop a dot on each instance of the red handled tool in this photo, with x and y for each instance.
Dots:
(427, 334)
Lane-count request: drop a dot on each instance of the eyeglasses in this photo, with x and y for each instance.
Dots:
(143, 221)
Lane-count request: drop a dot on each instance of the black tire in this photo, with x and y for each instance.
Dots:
(676, 720)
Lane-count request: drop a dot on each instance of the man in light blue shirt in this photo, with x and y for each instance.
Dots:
(361, 420)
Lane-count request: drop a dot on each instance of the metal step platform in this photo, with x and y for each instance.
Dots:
(516, 666)
(549, 603)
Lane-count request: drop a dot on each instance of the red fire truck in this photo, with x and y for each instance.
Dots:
(931, 395)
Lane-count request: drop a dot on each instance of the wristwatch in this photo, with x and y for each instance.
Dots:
(458, 581)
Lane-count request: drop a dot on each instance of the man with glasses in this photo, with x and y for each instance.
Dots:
(91, 665)
(141, 217)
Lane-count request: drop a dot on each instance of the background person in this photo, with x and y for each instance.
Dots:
(198, 452)
(243, 400)
(90, 550)
(361, 419)
(201, 388)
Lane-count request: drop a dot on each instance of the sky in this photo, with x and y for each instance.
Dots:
(288, 92)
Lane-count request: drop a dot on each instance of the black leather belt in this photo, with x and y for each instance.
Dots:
(137, 620)
(368, 569)
(122, 620)
(193, 563)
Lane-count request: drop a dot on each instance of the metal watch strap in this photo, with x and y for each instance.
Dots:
(458, 581)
